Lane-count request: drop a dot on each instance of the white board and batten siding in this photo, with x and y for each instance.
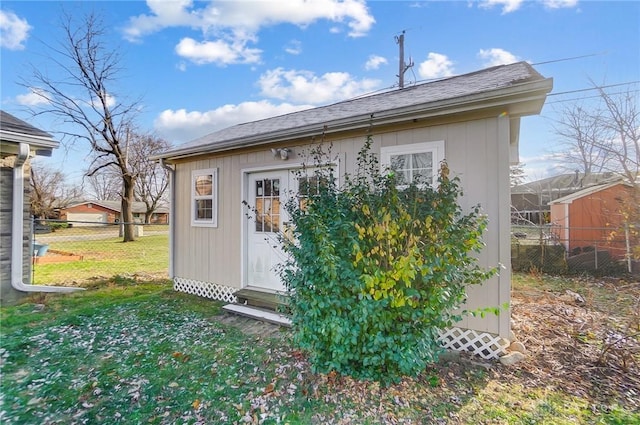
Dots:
(476, 150)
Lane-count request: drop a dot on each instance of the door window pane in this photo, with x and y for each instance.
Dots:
(268, 205)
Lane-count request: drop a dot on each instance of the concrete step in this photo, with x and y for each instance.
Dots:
(258, 314)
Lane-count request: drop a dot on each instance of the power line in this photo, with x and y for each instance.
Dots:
(589, 97)
(593, 88)
(571, 58)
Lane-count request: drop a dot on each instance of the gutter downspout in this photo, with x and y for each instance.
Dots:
(17, 225)
(172, 210)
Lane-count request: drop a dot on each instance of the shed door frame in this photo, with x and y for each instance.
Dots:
(287, 167)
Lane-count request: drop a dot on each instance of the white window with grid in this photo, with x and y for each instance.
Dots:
(204, 198)
(414, 163)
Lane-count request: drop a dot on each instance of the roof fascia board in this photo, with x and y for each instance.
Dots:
(37, 141)
(520, 99)
(585, 192)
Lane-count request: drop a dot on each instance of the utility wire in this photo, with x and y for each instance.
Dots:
(589, 97)
(593, 88)
(571, 58)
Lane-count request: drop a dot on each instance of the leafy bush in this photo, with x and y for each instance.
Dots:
(374, 272)
(58, 225)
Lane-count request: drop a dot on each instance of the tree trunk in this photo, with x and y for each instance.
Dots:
(147, 217)
(127, 208)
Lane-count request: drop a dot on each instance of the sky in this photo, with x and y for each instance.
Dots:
(200, 66)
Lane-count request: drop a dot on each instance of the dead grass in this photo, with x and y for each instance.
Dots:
(588, 347)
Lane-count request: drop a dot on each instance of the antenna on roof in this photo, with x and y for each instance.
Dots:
(403, 67)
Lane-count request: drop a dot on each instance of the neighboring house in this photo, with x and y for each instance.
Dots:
(90, 213)
(472, 120)
(530, 201)
(596, 217)
(19, 142)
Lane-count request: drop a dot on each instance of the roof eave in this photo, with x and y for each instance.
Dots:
(41, 145)
(520, 100)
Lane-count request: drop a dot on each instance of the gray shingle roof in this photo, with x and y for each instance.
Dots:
(14, 131)
(10, 123)
(427, 95)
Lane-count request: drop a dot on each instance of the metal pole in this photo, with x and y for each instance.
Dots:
(401, 61)
(628, 246)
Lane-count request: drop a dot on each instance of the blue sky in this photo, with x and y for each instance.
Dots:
(204, 65)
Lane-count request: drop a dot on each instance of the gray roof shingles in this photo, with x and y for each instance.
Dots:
(10, 123)
(475, 83)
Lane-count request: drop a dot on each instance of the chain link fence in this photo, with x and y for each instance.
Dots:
(79, 252)
(575, 250)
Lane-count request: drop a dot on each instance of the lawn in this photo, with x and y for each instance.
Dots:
(102, 258)
(127, 352)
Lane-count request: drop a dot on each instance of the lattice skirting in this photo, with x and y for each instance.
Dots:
(205, 289)
(483, 344)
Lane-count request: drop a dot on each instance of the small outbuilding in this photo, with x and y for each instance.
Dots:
(599, 218)
(471, 120)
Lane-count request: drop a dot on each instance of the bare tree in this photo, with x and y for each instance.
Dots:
(105, 185)
(152, 181)
(621, 123)
(604, 136)
(82, 96)
(49, 191)
(582, 137)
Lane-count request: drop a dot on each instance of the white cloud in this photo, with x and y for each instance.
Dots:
(110, 100)
(542, 166)
(560, 4)
(305, 86)
(219, 52)
(374, 62)
(294, 47)
(180, 125)
(38, 96)
(437, 65)
(35, 97)
(14, 31)
(496, 56)
(228, 26)
(508, 6)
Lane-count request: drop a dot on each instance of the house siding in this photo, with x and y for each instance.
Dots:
(477, 151)
(8, 295)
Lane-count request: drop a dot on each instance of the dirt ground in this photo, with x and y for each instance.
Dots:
(585, 342)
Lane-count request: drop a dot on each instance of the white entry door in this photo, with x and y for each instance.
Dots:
(267, 195)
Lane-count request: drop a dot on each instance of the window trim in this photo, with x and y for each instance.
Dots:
(213, 222)
(435, 147)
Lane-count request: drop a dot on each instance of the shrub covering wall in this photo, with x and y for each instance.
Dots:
(375, 270)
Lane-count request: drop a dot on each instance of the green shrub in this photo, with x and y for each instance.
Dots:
(57, 225)
(374, 272)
